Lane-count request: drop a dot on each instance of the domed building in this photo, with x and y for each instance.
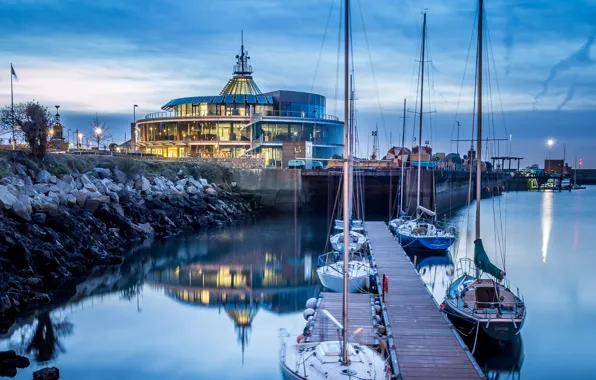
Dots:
(241, 121)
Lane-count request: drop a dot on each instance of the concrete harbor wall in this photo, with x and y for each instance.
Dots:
(316, 190)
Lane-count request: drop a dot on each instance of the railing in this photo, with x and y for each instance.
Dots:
(288, 114)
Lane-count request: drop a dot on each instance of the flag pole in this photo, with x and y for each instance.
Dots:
(14, 143)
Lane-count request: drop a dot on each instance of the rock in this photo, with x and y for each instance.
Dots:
(159, 183)
(180, 173)
(142, 184)
(169, 175)
(29, 191)
(63, 186)
(101, 187)
(81, 197)
(67, 178)
(10, 361)
(43, 177)
(114, 197)
(5, 304)
(21, 211)
(180, 187)
(195, 183)
(34, 281)
(53, 179)
(87, 184)
(71, 200)
(92, 204)
(192, 190)
(182, 182)
(210, 191)
(7, 199)
(54, 189)
(42, 188)
(102, 173)
(144, 228)
(120, 176)
(19, 255)
(44, 206)
(39, 218)
(48, 373)
(203, 181)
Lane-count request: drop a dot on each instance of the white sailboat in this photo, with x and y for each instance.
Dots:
(335, 359)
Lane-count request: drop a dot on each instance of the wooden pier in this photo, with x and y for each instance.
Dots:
(360, 314)
(423, 340)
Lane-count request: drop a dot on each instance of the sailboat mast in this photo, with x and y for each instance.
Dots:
(479, 120)
(421, 102)
(401, 164)
(347, 183)
(352, 152)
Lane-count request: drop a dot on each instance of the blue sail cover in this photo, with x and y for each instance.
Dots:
(482, 261)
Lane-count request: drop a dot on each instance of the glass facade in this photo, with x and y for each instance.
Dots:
(232, 125)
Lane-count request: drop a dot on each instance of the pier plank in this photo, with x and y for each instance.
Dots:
(425, 344)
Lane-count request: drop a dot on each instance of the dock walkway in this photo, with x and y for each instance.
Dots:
(426, 345)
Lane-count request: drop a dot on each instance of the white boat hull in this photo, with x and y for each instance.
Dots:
(331, 277)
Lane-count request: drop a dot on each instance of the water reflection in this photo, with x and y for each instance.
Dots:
(546, 220)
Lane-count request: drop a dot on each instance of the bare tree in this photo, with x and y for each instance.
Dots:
(99, 130)
(35, 121)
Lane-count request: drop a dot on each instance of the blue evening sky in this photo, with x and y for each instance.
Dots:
(104, 56)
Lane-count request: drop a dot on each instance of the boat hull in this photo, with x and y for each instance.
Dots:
(336, 283)
(435, 243)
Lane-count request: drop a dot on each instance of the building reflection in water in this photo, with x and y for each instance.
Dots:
(245, 279)
(547, 221)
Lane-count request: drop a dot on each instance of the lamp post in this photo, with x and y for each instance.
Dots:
(98, 131)
(549, 143)
(134, 120)
(79, 140)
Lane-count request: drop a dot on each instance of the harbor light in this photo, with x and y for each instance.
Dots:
(550, 142)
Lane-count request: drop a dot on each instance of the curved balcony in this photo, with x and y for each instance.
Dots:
(274, 114)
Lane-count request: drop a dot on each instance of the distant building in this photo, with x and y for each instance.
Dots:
(241, 120)
(553, 166)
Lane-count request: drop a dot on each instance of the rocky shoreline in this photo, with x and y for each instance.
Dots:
(55, 231)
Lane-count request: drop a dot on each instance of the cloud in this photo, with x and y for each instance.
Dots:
(579, 58)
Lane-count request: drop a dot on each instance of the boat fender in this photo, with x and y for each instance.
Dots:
(307, 313)
(299, 338)
(502, 188)
(385, 284)
(311, 303)
(378, 309)
(377, 319)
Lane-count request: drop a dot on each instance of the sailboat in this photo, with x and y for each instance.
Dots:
(422, 231)
(472, 301)
(331, 265)
(335, 359)
(401, 214)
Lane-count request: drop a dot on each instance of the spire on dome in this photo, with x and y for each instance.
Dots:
(241, 82)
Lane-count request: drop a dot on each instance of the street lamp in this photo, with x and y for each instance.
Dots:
(79, 140)
(134, 120)
(98, 131)
(549, 143)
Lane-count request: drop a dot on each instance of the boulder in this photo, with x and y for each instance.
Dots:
(53, 179)
(81, 197)
(67, 178)
(114, 197)
(210, 191)
(22, 211)
(63, 185)
(180, 187)
(7, 199)
(48, 373)
(169, 175)
(142, 184)
(120, 176)
(195, 183)
(10, 361)
(29, 191)
(101, 187)
(159, 183)
(54, 189)
(87, 184)
(144, 228)
(71, 200)
(102, 173)
(92, 204)
(192, 190)
(39, 218)
(43, 177)
(19, 255)
(203, 181)
(182, 182)
(5, 304)
(42, 188)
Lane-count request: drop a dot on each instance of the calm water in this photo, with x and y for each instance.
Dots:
(209, 305)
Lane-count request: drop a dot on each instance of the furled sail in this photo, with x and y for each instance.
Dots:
(483, 263)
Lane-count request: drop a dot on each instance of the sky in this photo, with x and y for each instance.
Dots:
(105, 56)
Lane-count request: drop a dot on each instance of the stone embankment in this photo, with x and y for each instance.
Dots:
(55, 231)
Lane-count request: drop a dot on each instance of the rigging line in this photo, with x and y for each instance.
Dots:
(338, 55)
(462, 81)
(322, 45)
(372, 68)
(503, 226)
(430, 91)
